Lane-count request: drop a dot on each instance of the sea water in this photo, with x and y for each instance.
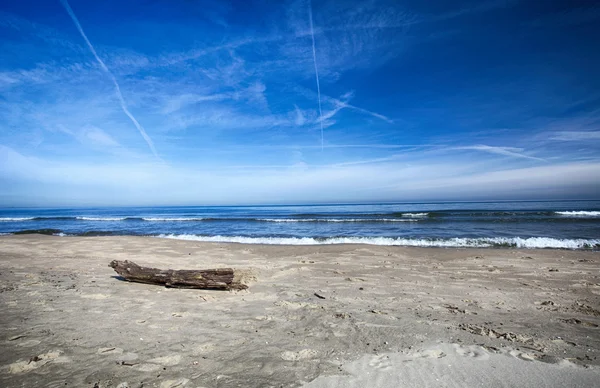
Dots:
(558, 224)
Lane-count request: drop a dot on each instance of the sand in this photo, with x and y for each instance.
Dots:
(313, 316)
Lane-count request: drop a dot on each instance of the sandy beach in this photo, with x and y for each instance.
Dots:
(314, 316)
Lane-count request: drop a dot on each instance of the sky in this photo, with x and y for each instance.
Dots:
(151, 102)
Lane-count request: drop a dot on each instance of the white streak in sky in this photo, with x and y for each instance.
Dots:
(312, 34)
(506, 151)
(576, 135)
(114, 80)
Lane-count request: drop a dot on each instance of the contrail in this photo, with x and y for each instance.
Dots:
(312, 34)
(65, 4)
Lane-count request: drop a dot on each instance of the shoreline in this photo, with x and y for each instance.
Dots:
(528, 243)
(64, 308)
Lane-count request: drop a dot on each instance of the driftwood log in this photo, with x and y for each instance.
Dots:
(215, 279)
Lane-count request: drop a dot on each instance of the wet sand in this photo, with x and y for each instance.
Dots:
(318, 316)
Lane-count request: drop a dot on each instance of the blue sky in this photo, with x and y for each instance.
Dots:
(147, 102)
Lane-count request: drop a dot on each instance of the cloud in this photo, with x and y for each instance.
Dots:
(300, 119)
(479, 7)
(536, 182)
(369, 161)
(339, 104)
(368, 112)
(350, 36)
(576, 135)
(114, 80)
(505, 151)
(176, 103)
(39, 32)
(225, 84)
(143, 183)
(215, 118)
(98, 137)
(44, 73)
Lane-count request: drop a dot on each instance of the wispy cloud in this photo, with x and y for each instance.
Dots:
(300, 119)
(342, 103)
(140, 183)
(479, 7)
(504, 151)
(118, 93)
(92, 138)
(368, 112)
(368, 161)
(576, 135)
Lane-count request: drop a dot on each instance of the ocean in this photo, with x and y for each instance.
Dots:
(557, 224)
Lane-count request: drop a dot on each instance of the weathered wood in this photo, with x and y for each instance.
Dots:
(215, 279)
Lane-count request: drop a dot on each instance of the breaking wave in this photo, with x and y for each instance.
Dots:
(330, 220)
(513, 242)
(101, 218)
(174, 219)
(415, 215)
(580, 213)
(411, 218)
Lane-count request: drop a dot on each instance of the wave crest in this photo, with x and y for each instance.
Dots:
(173, 219)
(415, 215)
(579, 213)
(101, 218)
(512, 242)
(331, 220)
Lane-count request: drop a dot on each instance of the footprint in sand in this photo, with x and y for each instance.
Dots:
(295, 305)
(264, 318)
(303, 354)
(430, 353)
(146, 367)
(381, 362)
(174, 383)
(169, 360)
(204, 348)
(128, 357)
(37, 361)
(471, 351)
(522, 355)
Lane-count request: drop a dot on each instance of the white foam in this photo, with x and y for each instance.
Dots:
(415, 215)
(159, 219)
(580, 213)
(545, 242)
(333, 220)
(101, 218)
(517, 242)
(15, 219)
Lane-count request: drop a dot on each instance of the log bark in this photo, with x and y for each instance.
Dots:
(215, 279)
